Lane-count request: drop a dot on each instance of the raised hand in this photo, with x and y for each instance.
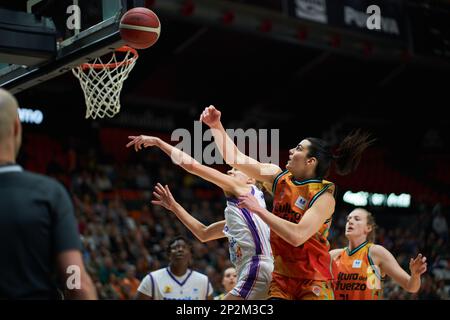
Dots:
(142, 141)
(249, 202)
(418, 265)
(164, 196)
(210, 116)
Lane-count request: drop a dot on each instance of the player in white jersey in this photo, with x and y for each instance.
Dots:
(249, 239)
(250, 250)
(177, 281)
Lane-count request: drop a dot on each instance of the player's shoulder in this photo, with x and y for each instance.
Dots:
(158, 273)
(281, 174)
(335, 253)
(378, 253)
(377, 250)
(322, 198)
(200, 277)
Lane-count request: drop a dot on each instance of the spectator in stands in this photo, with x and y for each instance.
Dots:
(428, 291)
(116, 286)
(106, 269)
(439, 223)
(130, 283)
(442, 291)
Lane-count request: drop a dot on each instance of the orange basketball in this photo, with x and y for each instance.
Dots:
(140, 28)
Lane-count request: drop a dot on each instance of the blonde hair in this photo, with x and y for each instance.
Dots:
(260, 185)
(370, 222)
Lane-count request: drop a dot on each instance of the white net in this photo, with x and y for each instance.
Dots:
(102, 82)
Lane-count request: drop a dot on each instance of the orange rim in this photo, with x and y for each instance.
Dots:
(125, 49)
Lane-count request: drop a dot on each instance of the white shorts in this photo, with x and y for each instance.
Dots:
(254, 279)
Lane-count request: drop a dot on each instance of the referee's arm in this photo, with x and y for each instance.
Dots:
(86, 290)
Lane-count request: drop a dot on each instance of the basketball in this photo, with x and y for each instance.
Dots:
(140, 28)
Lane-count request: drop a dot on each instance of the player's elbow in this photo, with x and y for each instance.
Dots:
(298, 242)
(239, 160)
(301, 234)
(190, 166)
(203, 239)
(203, 235)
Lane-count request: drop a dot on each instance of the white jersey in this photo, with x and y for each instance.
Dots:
(164, 285)
(248, 235)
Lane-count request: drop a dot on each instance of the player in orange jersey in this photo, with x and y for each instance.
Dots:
(303, 206)
(361, 266)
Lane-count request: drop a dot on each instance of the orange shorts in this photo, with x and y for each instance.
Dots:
(299, 289)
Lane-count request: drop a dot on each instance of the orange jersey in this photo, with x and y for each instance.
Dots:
(357, 276)
(285, 288)
(310, 260)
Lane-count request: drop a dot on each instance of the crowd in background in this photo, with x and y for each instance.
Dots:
(125, 236)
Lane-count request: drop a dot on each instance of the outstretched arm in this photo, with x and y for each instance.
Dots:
(294, 233)
(189, 164)
(264, 172)
(389, 265)
(202, 232)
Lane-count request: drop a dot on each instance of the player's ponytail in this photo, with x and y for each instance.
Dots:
(350, 151)
(347, 157)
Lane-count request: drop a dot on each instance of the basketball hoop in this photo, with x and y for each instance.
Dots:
(102, 82)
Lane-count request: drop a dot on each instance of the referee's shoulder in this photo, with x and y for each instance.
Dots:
(40, 181)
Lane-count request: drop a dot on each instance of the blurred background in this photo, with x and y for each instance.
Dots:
(308, 68)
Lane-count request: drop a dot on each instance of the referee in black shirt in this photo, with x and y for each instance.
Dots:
(40, 246)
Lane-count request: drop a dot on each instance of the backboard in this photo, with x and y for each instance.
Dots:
(46, 38)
